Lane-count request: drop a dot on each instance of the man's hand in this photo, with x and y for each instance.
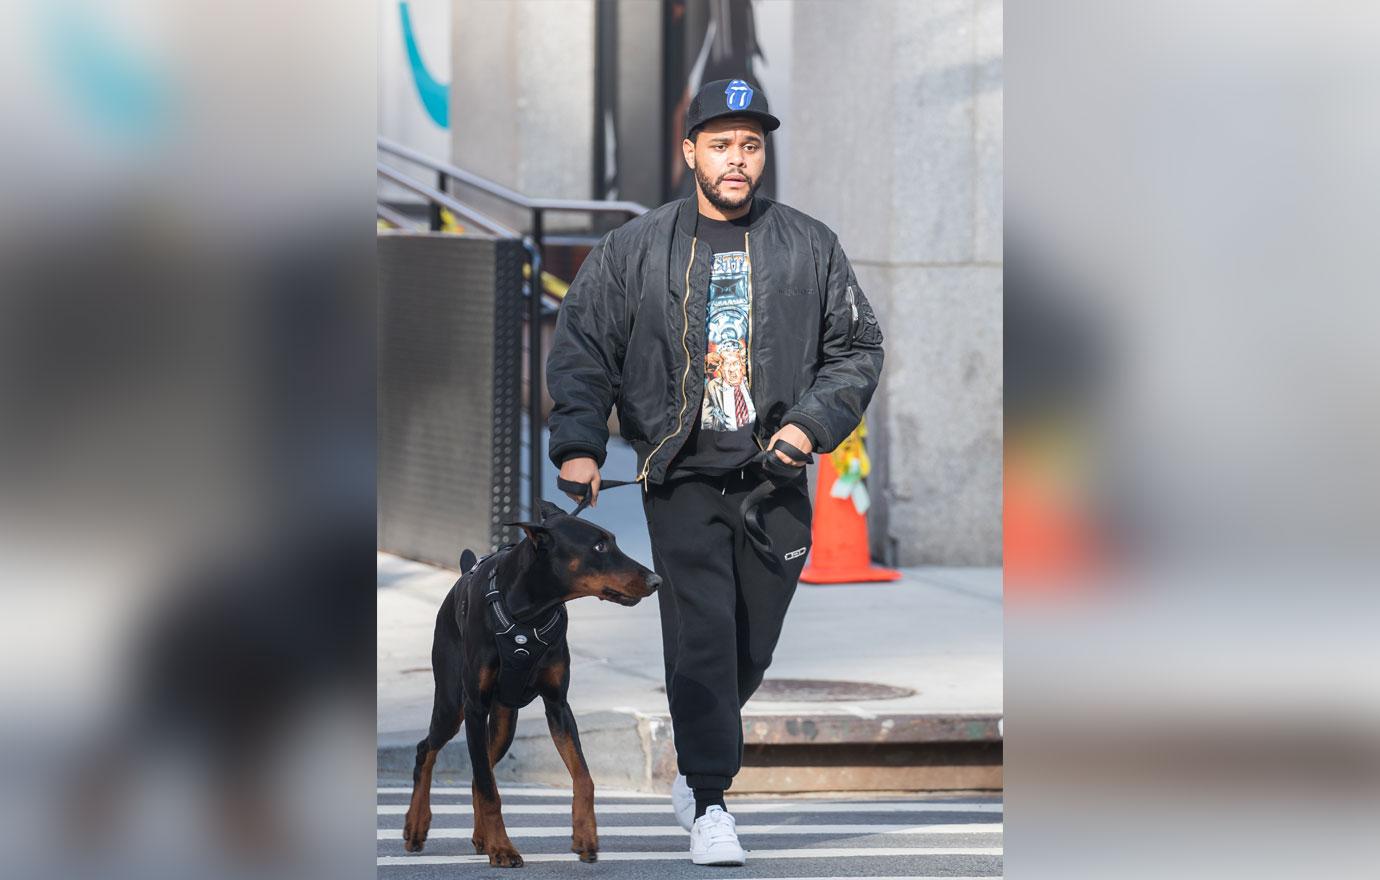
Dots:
(582, 470)
(794, 436)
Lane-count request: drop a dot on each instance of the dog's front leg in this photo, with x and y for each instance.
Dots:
(585, 835)
(490, 835)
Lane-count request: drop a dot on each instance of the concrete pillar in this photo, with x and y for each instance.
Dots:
(897, 133)
(522, 100)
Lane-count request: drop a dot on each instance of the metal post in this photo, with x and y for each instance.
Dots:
(441, 181)
(534, 368)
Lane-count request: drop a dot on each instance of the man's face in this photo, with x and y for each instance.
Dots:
(733, 367)
(728, 158)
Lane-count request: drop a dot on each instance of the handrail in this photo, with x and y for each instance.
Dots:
(512, 196)
(396, 218)
(438, 198)
(572, 240)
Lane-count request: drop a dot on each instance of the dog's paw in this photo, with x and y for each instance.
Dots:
(480, 847)
(504, 856)
(587, 845)
(414, 831)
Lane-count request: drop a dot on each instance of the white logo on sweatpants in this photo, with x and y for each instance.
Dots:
(794, 553)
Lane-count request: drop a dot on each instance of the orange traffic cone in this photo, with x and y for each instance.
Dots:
(839, 553)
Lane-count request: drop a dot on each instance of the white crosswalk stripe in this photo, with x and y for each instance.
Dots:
(736, 808)
(915, 837)
(510, 791)
(680, 855)
(745, 830)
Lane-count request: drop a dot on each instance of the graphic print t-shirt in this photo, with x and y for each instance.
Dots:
(721, 437)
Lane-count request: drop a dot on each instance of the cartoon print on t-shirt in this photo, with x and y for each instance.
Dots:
(727, 401)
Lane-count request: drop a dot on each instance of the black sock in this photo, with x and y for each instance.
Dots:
(706, 798)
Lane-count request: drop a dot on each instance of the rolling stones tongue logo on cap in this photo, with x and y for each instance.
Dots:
(739, 94)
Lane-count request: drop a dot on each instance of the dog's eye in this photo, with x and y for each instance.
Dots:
(601, 546)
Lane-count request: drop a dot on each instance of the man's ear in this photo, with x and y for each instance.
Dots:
(687, 152)
(537, 533)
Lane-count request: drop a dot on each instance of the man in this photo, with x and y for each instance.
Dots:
(763, 296)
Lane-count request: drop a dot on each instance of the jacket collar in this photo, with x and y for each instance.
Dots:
(689, 209)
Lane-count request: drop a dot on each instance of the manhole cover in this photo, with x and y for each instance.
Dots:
(810, 690)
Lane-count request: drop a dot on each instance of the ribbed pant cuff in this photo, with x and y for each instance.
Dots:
(717, 782)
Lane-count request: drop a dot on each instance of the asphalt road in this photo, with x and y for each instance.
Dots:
(786, 837)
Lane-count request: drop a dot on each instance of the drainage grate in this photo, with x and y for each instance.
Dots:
(811, 690)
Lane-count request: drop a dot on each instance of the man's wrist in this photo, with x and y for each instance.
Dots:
(814, 443)
(561, 456)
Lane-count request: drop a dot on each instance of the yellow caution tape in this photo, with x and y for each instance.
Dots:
(550, 284)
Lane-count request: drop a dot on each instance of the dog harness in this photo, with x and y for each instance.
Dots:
(520, 645)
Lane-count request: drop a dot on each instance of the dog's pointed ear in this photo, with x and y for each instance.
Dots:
(537, 533)
(549, 510)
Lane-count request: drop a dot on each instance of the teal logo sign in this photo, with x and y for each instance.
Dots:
(435, 96)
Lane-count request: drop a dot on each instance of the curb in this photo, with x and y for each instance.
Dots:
(783, 752)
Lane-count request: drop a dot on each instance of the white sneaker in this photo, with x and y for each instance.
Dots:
(683, 802)
(714, 839)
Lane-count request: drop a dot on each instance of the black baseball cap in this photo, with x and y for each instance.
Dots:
(728, 97)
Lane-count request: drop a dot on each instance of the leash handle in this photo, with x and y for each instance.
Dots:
(583, 490)
(792, 451)
(573, 488)
(778, 471)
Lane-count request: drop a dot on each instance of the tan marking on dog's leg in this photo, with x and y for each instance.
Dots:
(490, 835)
(487, 676)
(502, 726)
(418, 821)
(560, 720)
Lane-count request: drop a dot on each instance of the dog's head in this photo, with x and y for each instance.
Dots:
(570, 557)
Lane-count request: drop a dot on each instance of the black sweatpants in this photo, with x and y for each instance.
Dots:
(722, 605)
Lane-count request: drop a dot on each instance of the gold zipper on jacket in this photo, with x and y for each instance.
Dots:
(747, 361)
(684, 398)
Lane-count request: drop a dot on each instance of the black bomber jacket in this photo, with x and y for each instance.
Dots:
(631, 333)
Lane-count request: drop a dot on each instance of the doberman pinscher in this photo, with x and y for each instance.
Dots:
(499, 643)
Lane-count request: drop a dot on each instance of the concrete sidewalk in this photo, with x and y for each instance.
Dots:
(937, 632)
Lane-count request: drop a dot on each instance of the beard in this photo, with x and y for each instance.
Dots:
(722, 200)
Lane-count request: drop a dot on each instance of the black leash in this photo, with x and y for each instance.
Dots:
(583, 490)
(778, 473)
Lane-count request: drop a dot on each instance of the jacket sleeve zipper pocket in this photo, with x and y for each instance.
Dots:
(853, 317)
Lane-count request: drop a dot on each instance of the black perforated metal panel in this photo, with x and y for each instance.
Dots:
(449, 393)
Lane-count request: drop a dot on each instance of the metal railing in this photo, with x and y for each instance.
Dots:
(396, 218)
(439, 197)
